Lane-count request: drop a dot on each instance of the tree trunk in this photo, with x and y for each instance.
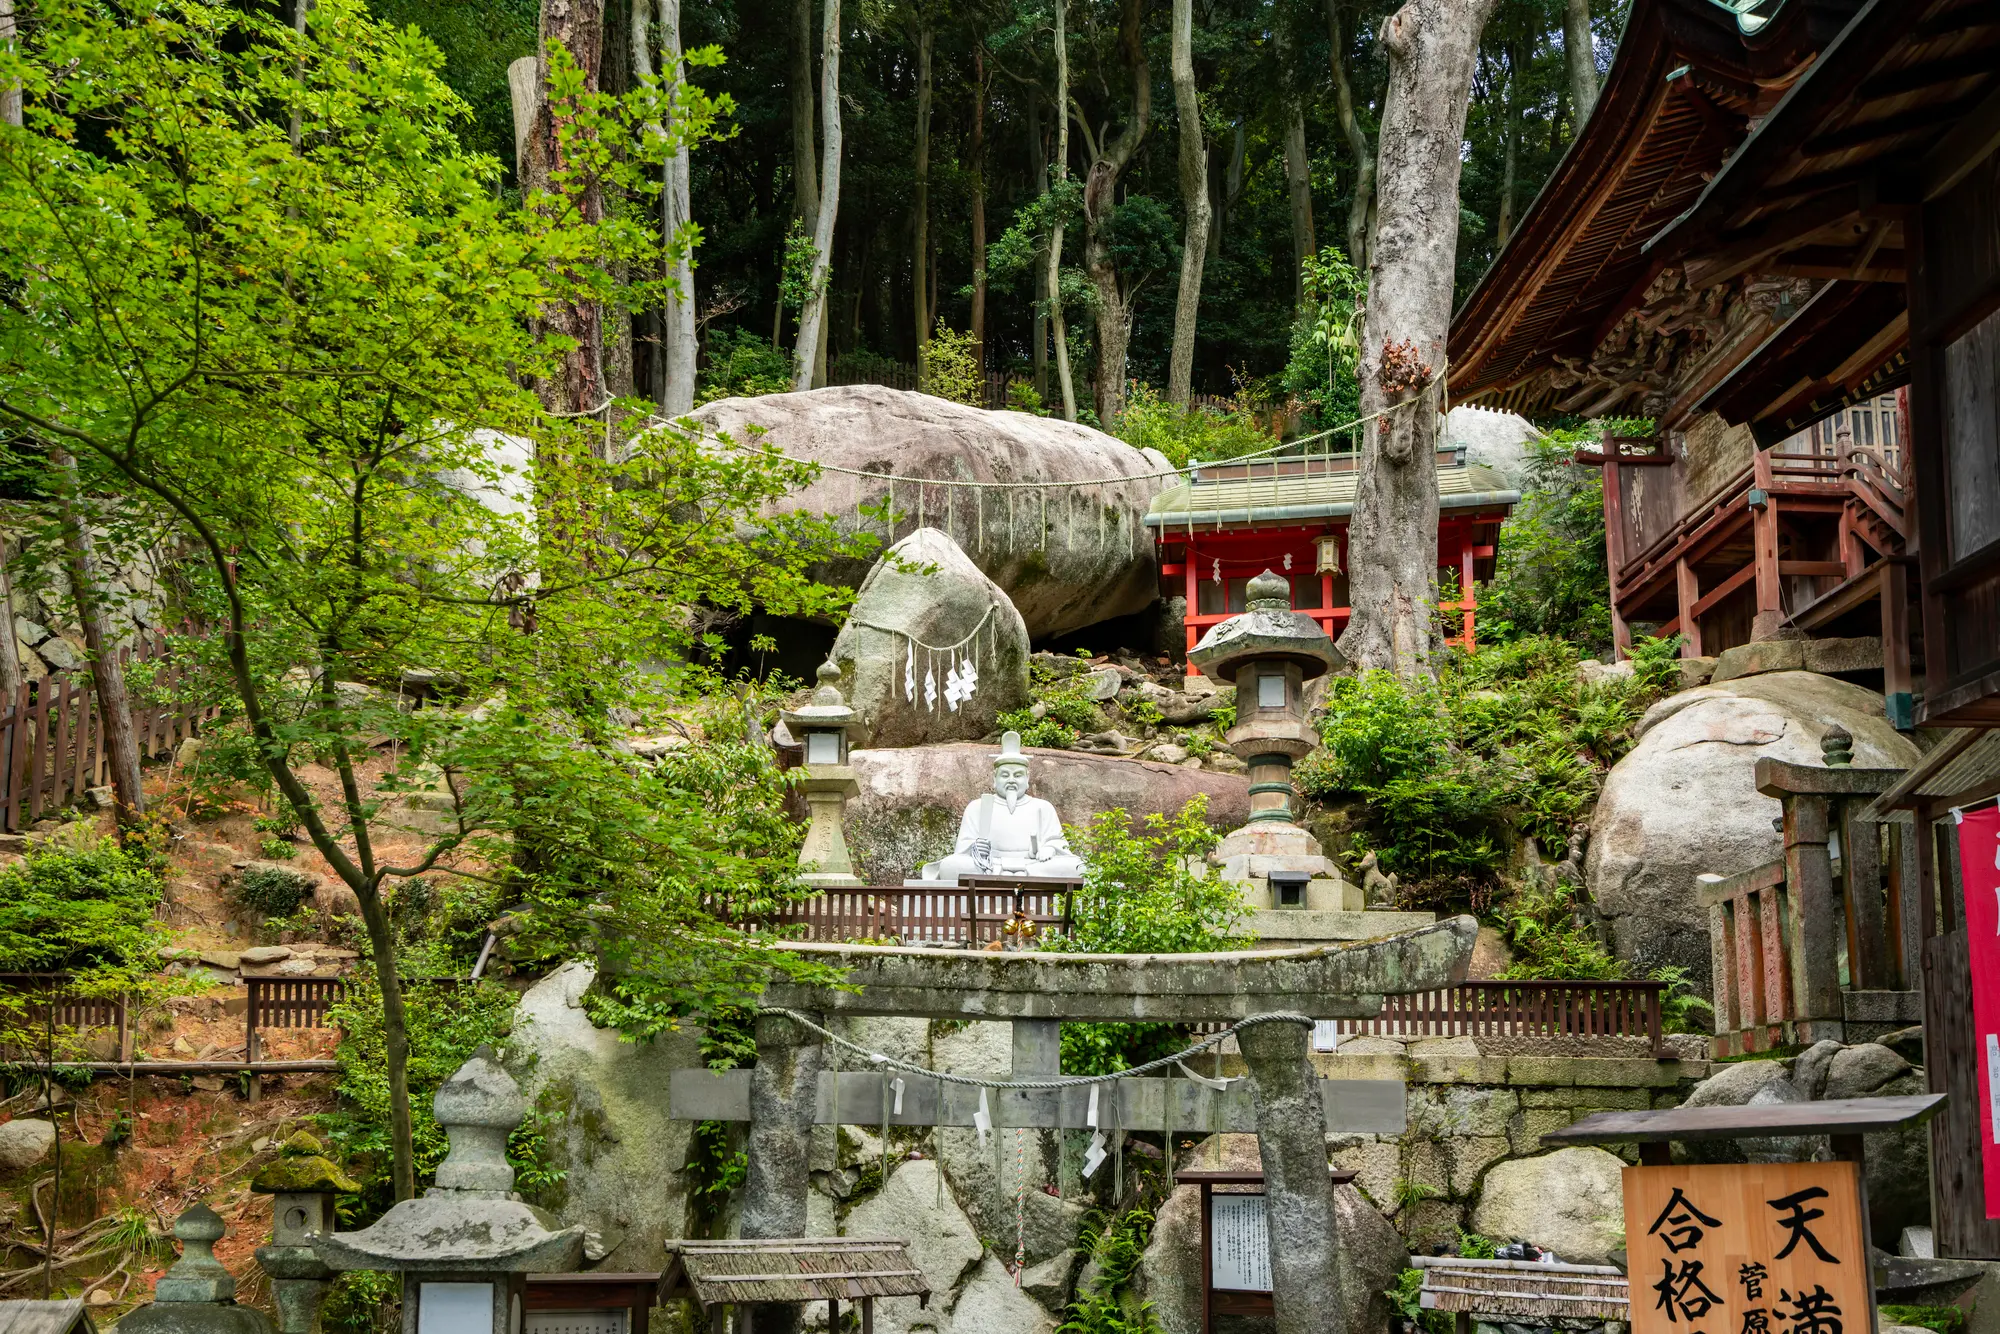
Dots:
(10, 93)
(579, 384)
(1361, 213)
(1038, 333)
(1298, 185)
(805, 167)
(1580, 59)
(977, 158)
(681, 344)
(10, 652)
(107, 673)
(1431, 46)
(1511, 157)
(1225, 185)
(920, 243)
(1194, 197)
(1058, 330)
(808, 359)
(1100, 197)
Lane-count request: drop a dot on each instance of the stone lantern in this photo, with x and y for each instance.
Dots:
(1269, 652)
(197, 1295)
(465, 1248)
(821, 727)
(303, 1182)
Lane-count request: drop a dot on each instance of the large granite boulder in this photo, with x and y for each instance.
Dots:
(1501, 441)
(1685, 801)
(1068, 556)
(609, 1127)
(911, 1206)
(1571, 1202)
(1898, 1160)
(925, 592)
(911, 800)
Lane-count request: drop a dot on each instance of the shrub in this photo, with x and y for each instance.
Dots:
(1150, 892)
(1325, 342)
(948, 367)
(1151, 422)
(1067, 711)
(1021, 397)
(272, 891)
(79, 910)
(740, 364)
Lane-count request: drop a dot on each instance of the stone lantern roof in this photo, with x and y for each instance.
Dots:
(827, 708)
(302, 1167)
(470, 1221)
(1267, 630)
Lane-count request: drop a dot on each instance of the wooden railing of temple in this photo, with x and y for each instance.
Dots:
(1824, 943)
(1546, 1009)
(973, 914)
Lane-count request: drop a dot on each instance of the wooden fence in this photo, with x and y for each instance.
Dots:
(38, 993)
(52, 735)
(964, 915)
(1523, 1009)
(1823, 944)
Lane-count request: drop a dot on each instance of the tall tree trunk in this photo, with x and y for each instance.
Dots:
(1580, 59)
(10, 93)
(1431, 45)
(1361, 213)
(920, 242)
(579, 384)
(1038, 173)
(1194, 197)
(976, 155)
(799, 90)
(680, 341)
(1100, 197)
(10, 651)
(107, 673)
(1058, 330)
(808, 356)
(1511, 157)
(615, 80)
(1225, 185)
(1298, 185)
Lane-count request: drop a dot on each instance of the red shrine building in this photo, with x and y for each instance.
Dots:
(1232, 521)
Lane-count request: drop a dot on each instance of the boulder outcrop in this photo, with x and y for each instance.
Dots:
(1571, 1202)
(911, 799)
(1068, 556)
(1685, 801)
(925, 592)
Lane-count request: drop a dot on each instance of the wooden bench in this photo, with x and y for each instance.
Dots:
(1520, 1291)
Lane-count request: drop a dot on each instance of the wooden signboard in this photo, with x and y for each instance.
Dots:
(1753, 1248)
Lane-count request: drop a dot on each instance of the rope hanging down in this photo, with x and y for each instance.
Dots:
(885, 1061)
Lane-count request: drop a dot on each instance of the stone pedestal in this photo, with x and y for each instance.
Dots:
(1249, 855)
(827, 788)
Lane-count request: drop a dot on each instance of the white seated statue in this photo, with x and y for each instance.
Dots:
(1008, 832)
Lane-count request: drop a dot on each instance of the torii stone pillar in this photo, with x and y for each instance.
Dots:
(784, 1094)
(1298, 1193)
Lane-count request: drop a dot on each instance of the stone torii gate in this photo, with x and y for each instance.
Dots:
(1288, 1106)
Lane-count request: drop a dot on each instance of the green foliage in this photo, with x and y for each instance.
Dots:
(1507, 742)
(1021, 397)
(1406, 1298)
(1196, 434)
(715, 1167)
(741, 365)
(536, 1176)
(364, 1301)
(1473, 1246)
(1116, 1244)
(1549, 942)
(949, 367)
(83, 910)
(272, 891)
(1150, 892)
(447, 1024)
(1943, 1319)
(1326, 341)
(795, 274)
(1552, 576)
(1066, 710)
(1683, 1009)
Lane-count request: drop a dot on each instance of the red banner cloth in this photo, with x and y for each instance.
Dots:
(1979, 864)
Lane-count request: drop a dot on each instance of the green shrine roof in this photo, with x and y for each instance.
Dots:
(1253, 499)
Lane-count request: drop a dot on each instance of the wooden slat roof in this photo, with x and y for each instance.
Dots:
(792, 1269)
(1688, 75)
(64, 1317)
(1526, 1290)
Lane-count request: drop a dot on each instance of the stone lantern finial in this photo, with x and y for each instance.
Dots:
(1836, 746)
(197, 1276)
(478, 1107)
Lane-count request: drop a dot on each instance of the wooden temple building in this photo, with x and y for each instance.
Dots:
(1778, 237)
(1232, 521)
